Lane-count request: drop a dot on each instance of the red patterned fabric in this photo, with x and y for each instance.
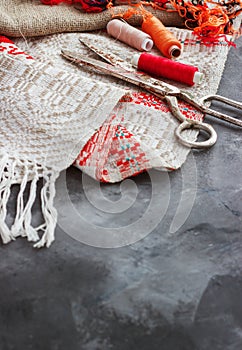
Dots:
(8, 47)
(114, 149)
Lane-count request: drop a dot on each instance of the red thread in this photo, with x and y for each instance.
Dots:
(166, 68)
(86, 5)
(55, 2)
(3, 39)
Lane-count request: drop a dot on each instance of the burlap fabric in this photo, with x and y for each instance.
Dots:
(31, 18)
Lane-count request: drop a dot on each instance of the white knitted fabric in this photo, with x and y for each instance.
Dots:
(50, 108)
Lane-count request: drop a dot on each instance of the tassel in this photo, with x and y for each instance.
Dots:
(17, 227)
(11, 171)
(48, 210)
(6, 175)
(30, 231)
(22, 225)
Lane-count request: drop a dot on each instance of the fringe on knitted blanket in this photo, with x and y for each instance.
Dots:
(11, 171)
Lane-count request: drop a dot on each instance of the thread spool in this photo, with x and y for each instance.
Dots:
(130, 35)
(166, 68)
(163, 39)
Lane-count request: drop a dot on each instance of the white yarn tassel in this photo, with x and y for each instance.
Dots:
(30, 231)
(4, 229)
(48, 210)
(6, 176)
(17, 227)
(22, 225)
(11, 171)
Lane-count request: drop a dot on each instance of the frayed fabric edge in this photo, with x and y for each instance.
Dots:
(15, 171)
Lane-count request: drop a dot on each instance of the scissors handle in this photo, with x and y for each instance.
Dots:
(194, 124)
(226, 101)
(187, 124)
(201, 105)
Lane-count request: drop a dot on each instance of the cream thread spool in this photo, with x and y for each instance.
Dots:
(132, 36)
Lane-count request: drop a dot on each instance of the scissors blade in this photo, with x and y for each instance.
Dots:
(141, 80)
(109, 57)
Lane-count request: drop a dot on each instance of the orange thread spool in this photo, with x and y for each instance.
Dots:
(164, 40)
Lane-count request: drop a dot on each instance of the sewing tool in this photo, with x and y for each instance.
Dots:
(164, 91)
(164, 40)
(166, 68)
(132, 36)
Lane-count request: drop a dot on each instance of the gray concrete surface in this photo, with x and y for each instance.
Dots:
(169, 291)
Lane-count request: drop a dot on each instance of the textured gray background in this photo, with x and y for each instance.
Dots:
(169, 291)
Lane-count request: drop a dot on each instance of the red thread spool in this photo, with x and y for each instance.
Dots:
(166, 68)
(164, 40)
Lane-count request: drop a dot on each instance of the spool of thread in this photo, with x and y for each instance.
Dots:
(130, 35)
(164, 40)
(166, 68)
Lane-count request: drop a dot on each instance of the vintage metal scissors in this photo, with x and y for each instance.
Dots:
(164, 91)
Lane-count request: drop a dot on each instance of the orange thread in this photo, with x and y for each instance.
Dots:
(156, 6)
(209, 19)
(131, 11)
(109, 4)
(164, 40)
